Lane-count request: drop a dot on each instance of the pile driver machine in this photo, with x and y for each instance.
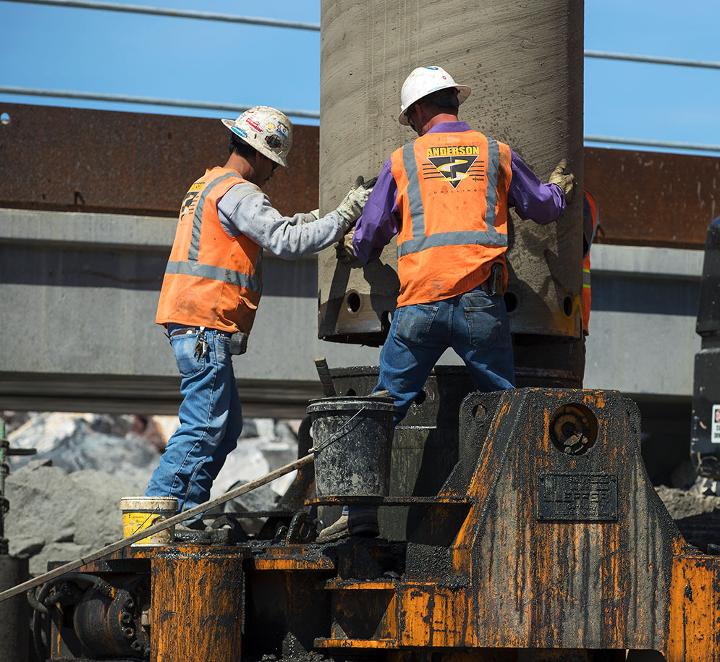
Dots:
(525, 528)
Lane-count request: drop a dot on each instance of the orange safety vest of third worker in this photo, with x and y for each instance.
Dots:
(590, 225)
(453, 200)
(212, 279)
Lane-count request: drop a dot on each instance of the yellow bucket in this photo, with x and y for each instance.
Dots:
(140, 513)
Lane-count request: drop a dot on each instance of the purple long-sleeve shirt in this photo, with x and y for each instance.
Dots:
(380, 220)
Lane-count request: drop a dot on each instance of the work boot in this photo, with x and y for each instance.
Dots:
(200, 533)
(193, 525)
(358, 522)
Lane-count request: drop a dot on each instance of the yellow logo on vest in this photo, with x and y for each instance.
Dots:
(453, 163)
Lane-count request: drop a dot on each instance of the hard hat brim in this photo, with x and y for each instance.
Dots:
(259, 147)
(462, 90)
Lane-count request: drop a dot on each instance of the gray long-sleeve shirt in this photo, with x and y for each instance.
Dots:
(245, 209)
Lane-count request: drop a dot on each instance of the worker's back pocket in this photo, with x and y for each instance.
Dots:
(414, 323)
(486, 319)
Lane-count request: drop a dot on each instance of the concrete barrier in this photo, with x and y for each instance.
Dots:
(78, 295)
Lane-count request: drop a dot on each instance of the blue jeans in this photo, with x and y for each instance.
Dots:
(474, 324)
(210, 422)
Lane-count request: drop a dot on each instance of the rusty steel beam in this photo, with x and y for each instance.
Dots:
(95, 160)
(105, 161)
(651, 198)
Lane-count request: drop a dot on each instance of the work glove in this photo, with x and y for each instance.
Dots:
(564, 179)
(352, 205)
(346, 251)
(308, 217)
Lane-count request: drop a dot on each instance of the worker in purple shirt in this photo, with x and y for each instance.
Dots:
(380, 220)
(446, 196)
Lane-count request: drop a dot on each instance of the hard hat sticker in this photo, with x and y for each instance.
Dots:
(251, 122)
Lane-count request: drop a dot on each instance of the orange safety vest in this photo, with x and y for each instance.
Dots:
(212, 279)
(590, 223)
(452, 196)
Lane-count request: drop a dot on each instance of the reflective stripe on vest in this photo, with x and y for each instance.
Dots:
(420, 241)
(194, 268)
(586, 295)
(194, 249)
(253, 283)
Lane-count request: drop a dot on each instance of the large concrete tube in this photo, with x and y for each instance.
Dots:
(524, 62)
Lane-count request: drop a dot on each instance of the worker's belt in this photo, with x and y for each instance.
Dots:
(178, 330)
(238, 340)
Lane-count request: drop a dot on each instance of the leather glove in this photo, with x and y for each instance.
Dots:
(564, 179)
(345, 250)
(352, 205)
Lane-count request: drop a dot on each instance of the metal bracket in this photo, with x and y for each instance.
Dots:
(5, 452)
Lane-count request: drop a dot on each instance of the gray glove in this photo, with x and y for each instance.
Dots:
(352, 205)
(564, 179)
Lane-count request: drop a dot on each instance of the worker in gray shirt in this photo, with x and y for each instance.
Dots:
(212, 288)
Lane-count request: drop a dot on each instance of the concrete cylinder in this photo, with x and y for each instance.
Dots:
(524, 62)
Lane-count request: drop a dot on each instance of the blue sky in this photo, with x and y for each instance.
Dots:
(85, 50)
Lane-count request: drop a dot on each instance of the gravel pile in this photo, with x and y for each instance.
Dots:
(64, 500)
(696, 514)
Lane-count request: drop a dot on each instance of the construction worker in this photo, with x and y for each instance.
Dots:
(590, 227)
(212, 287)
(446, 196)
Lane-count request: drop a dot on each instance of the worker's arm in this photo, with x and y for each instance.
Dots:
(379, 222)
(245, 209)
(541, 202)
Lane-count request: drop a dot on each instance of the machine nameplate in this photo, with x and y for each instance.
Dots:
(715, 425)
(574, 497)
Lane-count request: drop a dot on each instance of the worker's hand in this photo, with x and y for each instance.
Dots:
(345, 250)
(352, 205)
(360, 181)
(564, 179)
(307, 217)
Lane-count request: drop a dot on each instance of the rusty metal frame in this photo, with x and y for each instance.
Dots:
(92, 160)
(71, 159)
(88, 160)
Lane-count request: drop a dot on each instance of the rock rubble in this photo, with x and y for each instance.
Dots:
(64, 500)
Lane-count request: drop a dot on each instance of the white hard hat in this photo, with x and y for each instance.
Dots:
(265, 129)
(423, 81)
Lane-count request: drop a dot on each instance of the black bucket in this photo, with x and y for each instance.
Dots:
(352, 437)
